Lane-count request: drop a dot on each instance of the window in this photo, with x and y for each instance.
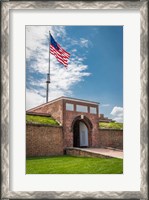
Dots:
(81, 108)
(69, 106)
(93, 110)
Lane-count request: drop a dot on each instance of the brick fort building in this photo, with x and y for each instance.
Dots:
(79, 119)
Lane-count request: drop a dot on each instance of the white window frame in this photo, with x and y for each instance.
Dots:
(81, 108)
(93, 110)
(69, 107)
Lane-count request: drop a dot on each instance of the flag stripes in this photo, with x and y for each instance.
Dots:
(61, 55)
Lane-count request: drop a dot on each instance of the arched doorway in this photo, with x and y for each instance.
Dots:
(81, 132)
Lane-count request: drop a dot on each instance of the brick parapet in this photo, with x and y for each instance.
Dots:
(38, 114)
(54, 109)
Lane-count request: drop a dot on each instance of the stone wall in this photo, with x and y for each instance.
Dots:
(83, 153)
(43, 140)
(111, 138)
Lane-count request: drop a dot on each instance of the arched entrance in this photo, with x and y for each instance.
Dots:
(81, 132)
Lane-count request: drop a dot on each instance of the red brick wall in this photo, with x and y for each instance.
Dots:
(111, 138)
(69, 116)
(43, 140)
(55, 109)
(97, 138)
(46, 140)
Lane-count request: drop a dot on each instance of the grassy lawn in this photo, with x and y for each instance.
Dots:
(111, 125)
(73, 165)
(41, 120)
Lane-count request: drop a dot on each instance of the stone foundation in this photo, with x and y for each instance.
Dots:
(83, 153)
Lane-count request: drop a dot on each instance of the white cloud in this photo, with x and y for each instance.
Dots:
(74, 50)
(117, 113)
(84, 42)
(37, 56)
(33, 99)
(58, 31)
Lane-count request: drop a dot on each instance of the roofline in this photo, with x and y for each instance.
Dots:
(82, 100)
(65, 98)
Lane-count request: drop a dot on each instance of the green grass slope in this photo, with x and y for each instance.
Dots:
(111, 125)
(41, 120)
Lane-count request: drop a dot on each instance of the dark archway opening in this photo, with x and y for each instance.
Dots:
(76, 138)
(86, 126)
(80, 134)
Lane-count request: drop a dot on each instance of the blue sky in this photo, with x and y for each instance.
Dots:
(95, 69)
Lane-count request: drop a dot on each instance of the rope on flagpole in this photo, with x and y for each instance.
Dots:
(48, 74)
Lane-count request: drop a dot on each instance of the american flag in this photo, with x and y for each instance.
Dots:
(61, 55)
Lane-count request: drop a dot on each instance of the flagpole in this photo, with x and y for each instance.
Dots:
(48, 74)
